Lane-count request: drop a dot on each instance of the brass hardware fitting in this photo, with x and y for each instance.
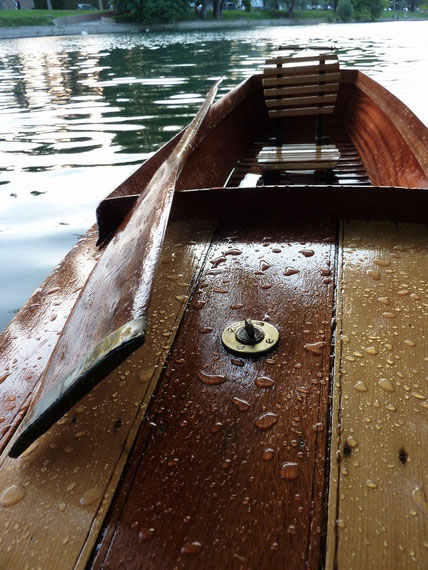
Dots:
(249, 338)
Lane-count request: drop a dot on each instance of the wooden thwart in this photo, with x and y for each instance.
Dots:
(378, 503)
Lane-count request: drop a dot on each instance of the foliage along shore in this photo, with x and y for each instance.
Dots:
(18, 18)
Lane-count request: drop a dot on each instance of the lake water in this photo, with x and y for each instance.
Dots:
(80, 113)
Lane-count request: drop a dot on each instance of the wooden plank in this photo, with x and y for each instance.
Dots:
(300, 89)
(205, 487)
(321, 69)
(27, 343)
(301, 111)
(378, 509)
(53, 500)
(301, 59)
(301, 101)
(303, 79)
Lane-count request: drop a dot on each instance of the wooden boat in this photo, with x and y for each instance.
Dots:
(188, 456)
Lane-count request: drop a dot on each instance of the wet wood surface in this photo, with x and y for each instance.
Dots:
(378, 511)
(54, 498)
(229, 469)
(27, 343)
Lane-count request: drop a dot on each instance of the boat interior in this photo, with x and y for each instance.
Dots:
(194, 455)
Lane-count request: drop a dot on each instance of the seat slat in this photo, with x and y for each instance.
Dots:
(285, 60)
(301, 69)
(301, 89)
(313, 79)
(301, 111)
(300, 101)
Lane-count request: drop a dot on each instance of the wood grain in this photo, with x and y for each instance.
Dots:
(229, 470)
(378, 509)
(53, 500)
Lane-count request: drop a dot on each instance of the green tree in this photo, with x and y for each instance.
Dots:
(345, 10)
(153, 11)
(369, 9)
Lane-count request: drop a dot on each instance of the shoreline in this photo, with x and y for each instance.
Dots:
(106, 25)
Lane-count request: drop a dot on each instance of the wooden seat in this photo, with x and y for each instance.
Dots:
(299, 86)
(299, 157)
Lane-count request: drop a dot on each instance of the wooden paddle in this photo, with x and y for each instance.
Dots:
(109, 319)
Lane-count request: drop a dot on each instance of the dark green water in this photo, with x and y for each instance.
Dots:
(79, 114)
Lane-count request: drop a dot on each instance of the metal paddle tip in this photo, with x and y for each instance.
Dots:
(94, 366)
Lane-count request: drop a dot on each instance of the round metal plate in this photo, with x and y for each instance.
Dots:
(233, 345)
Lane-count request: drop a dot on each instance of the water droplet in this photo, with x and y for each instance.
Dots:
(205, 330)
(381, 262)
(12, 495)
(371, 484)
(146, 534)
(182, 298)
(340, 523)
(210, 379)
(386, 385)
(268, 454)
(315, 347)
(292, 529)
(419, 498)
(191, 547)
(264, 265)
(290, 271)
(318, 427)
(30, 449)
(238, 361)
(289, 471)
(351, 441)
(374, 274)
(145, 375)
(345, 338)
(361, 386)
(307, 252)
(418, 395)
(389, 315)
(53, 290)
(232, 251)
(266, 421)
(216, 262)
(242, 405)
(264, 382)
(266, 286)
(91, 496)
(237, 306)
(62, 507)
(410, 343)
(371, 350)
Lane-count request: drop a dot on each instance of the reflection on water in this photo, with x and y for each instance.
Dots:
(78, 114)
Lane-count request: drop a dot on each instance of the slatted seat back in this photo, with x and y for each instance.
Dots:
(301, 85)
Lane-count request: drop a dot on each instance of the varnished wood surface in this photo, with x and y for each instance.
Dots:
(207, 488)
(378, 515)
(53, 499)
(27, 343)
(390, 139)
(109, 318)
